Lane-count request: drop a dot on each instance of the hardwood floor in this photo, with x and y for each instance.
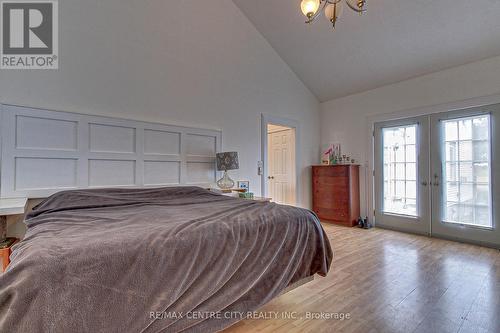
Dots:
(393, 282)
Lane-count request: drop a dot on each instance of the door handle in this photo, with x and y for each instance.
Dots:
(436, 179)
(424, 183)
(270, 177)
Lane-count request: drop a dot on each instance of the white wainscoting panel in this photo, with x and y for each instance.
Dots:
(40, 133)
(45, 151)
(50, 173)
(111, 173)
(200, 145)
(162, 173)
(111, 139)
(200, 172)
(162, 142)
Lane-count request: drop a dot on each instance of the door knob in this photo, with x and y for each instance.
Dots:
(270, 177)
(424, 183)
(436, 179)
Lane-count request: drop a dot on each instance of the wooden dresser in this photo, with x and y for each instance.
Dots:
(336, 193)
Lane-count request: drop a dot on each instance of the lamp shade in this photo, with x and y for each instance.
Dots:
(227, 161)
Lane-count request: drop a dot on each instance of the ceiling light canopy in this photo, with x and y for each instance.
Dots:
(331, 8)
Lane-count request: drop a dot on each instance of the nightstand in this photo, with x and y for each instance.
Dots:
(5, 253)
(235, 193)
(8, 206)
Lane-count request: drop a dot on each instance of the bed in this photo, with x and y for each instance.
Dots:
(155, 260)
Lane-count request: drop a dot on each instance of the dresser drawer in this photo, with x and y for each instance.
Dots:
(333, 214)
(338, 198)
(331, 171)
(331, 183)
(340, 187)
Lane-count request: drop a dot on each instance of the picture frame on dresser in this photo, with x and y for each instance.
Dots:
(243, 185)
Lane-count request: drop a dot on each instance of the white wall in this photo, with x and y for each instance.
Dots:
(346, 120)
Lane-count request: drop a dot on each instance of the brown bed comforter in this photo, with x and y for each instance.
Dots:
(169, 259)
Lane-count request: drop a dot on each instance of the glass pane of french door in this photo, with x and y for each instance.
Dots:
(401, 174)
(466, 171)
(400, 170)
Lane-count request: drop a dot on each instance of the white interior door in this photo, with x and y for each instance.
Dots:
(402, 194)
(281, 171)
(465, 174)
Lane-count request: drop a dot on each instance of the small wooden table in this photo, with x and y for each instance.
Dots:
(9, 206)
(5, 254)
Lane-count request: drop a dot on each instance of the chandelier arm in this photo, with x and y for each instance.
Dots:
(357, 10)
(325, 2)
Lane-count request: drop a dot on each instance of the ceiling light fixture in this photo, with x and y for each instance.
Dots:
(331, 8)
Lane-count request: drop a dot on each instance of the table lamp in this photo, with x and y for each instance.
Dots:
(226, 161)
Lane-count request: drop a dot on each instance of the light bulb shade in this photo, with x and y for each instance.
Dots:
(309, 7)
(333, 11)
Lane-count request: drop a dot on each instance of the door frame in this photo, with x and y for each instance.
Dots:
(274, 120)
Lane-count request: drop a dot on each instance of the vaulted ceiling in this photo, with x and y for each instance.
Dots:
(395, 40)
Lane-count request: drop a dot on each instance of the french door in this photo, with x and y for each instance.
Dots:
(440, 174)
(402, 199)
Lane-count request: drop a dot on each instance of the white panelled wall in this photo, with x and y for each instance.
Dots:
(45, 151)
